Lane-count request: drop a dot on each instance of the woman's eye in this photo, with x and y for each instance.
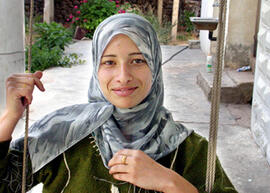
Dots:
(138, 61)
(109, 62)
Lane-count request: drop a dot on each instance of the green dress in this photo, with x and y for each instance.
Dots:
(88, 174)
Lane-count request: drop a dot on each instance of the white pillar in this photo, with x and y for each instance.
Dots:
(206, 12)
(48, 15)
(11, 42)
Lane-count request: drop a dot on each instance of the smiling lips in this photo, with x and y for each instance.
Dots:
(124, 91)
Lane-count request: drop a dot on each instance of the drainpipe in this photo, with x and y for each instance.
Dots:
(257, 27)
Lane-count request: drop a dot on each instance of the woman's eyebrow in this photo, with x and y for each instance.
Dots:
(109, 55)
(130, 54)
(135, 53)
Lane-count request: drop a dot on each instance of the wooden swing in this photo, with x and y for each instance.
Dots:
(215, 100)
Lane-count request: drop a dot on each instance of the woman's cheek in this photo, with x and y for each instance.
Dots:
(106, 76)
(147, 77)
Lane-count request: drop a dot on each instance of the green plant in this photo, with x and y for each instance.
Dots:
(70, 59)
(89, 14)
(36, 19)
(52, 35)
(48, 49)
(185, 21)
(182, 37)
(163, 30)
(43, 58)
(185, 36)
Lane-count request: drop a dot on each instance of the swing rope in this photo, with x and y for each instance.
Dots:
(215, 100)
(27, 107)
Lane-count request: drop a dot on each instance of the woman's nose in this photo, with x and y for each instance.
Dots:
(124, 74)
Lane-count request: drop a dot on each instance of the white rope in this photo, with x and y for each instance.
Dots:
(174, 158)
(114, 189)
(68, 180)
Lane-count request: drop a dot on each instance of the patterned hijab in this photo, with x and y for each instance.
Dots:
(147, 126)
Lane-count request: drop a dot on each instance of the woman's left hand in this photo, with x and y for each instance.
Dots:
(135, 167)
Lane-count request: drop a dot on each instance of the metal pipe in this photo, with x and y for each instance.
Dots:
(210, 36)
(257, 27)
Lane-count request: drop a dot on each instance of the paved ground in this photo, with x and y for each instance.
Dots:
(240, 156)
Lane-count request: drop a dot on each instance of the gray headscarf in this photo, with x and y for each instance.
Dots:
(148, 126)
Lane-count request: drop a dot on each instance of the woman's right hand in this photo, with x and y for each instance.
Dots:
(19, 93)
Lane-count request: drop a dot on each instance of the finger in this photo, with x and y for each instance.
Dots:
(131, 153)
(23, 75)
(36, 78)
(118, 169)
(39, 84)
(22, 85)
(119, 159)
(121, 177)
(24, 94)
(38, 74)
(126, 152)
(29, 80)
(18, 94)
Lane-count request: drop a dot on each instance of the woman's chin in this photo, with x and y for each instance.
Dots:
(124, 104)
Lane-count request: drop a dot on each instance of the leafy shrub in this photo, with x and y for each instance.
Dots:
(185, 21)
(43, 58)
(52, 35)
(163, 30)
(36, 19)
(48, 49)
(89, 14)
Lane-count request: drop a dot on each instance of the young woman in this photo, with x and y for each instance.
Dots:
(122, 140)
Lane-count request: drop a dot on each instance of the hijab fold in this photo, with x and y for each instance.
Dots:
(148, 126)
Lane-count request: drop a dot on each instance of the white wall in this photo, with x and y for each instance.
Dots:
(11, 42)
(241, 29)
(260, 120)
(206, 11)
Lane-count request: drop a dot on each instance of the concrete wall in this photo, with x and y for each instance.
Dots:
(260, 120)
(241, 31)
(11, 42)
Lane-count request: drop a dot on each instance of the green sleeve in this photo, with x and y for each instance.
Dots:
(192, 156)
(11, 170)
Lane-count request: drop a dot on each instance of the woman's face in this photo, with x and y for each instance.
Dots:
(124, 76)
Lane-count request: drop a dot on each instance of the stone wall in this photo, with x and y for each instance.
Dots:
(260, 120)
(64, 7)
